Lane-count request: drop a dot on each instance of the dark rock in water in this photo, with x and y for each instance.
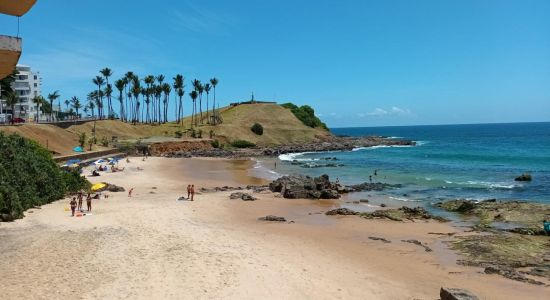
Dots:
(417, 242)
(370, 186)
(341, 211)
(272, 219)
(524, 177)
(383, 205)
(364, 201)
(456, 294)
(510, 273)
(242, 196)
(374, 238)
(114, 188)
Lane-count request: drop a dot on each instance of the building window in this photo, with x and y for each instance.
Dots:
(35, 77)
(35, 84)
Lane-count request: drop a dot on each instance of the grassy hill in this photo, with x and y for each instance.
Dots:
(280, 127)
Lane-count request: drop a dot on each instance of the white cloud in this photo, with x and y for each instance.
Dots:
(202, 20)
(391, 112)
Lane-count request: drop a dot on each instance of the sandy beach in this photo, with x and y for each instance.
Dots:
(153, 246)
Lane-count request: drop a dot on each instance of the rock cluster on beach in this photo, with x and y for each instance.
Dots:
(306, 187)
(402, 213)
(456, 294)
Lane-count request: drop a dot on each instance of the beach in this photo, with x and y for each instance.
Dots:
(153, 246)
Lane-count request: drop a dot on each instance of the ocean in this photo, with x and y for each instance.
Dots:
(475, 161)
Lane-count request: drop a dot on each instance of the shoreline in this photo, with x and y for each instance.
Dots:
(216, 248)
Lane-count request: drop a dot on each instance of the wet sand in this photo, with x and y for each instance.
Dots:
(152, 246)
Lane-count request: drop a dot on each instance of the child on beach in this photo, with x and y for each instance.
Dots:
(192, 192)
(89, 203)
(73, 206)
(79, 201)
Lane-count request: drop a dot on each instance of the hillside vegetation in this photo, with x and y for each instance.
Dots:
(280, 126)
(29, 177)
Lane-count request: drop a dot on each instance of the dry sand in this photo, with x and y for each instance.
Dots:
(151, 246)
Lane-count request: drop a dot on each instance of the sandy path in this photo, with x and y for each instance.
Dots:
(152, 246)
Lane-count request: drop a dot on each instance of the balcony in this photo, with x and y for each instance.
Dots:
(16, 7)
(10, 50)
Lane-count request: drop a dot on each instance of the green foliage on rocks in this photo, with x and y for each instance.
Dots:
(29, 177)
(257, 128)
(242, 144)
(306, 114)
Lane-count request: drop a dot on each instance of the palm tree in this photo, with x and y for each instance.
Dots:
(108, 92)
(98, 80)
(136, 91)
(178, 91)
(194, 96)
(207, 88)
(51, 98)
(86, 109)
(120, 84)
(67, 102)
(76, 105)
(166, 89)
(214, 82)
(199, 88)
(91, 105)
(38, 100)
(106, 72)
(11, 100)
(148, 80)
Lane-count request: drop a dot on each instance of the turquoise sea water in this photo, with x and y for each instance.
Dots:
(450, 161)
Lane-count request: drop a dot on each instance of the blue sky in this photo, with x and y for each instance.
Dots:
(358, 63)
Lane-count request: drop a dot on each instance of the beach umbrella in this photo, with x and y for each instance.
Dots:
(98, 186)
(99, 161)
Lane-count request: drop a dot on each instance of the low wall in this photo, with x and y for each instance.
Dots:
(88, 155)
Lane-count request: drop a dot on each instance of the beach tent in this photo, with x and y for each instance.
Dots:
(98, 186)
(78, 149)
(73, 161)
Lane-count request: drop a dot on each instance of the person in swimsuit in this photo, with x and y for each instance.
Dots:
(73, 206)
(89, 203)
(79, 197)
(188, 191)
(192, 192)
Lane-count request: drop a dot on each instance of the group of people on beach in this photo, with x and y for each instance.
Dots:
(78, 205)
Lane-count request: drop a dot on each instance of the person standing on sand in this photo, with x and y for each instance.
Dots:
(130, 192)
(188, 191)
(73, 206)
(89, 203)
(192, 192)
(79, 197)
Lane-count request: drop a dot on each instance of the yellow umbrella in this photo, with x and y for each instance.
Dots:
(98, 186)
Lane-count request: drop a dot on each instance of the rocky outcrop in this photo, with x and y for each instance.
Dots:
(456, 294)
(242, 196)
(375, 238)
(272, 218)
(524, 177)
(418, 243)
(341, 211)
(510, 273)
(305, 187)
(401, 214)
(527, 217)
(162, 148)
(114, 188)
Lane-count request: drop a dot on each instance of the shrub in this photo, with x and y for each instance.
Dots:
(178, 134)
(104, 142)
(199, 134)
(242, 144)
(29, 177)
(306, 115)
(82, 139)
(215, 144)
(257, 128)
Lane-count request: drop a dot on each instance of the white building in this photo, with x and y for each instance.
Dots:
(27, 85)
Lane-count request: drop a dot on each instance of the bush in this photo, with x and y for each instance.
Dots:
(257, 128)
(104, 142)
(215, 144)
(82, 139)
(178, 134)
(306, 114)
(242, 144)
(29, 177)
